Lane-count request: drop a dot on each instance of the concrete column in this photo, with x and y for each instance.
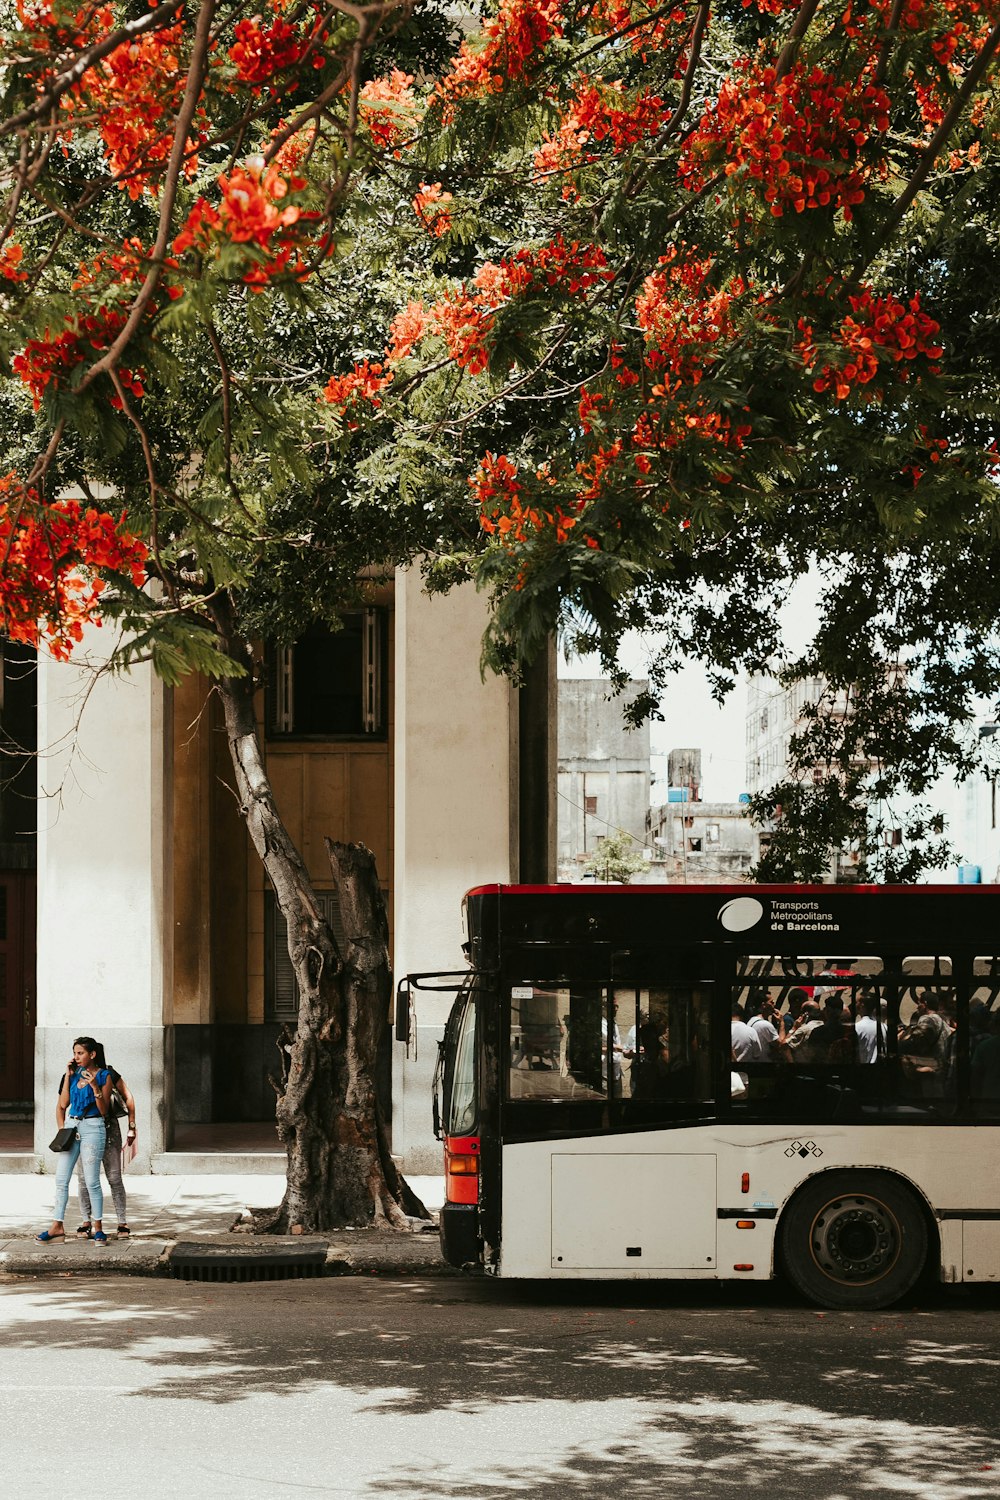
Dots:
(455, 769)
(537, 771)
(104, 918)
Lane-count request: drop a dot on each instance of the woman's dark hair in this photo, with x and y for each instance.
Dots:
(91, 1046)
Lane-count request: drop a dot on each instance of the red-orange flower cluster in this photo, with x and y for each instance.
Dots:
(683, 317)
(46, 32)
(645, 27)
(52, 553)
(50, 359)
(503, 513)
(260, 52)
(362, 383)
(135, 93)
(598, 112)
(801, 136)
(10, 263)
(881, 328)
(388, 109)
(931, 451)
(464, 317)
(406, 331)
(253, 211)
(511, 49)
(429, 207)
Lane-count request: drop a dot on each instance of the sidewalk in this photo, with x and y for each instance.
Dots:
(200, 1209)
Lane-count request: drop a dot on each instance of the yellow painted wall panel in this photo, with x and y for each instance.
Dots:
(370, 817)
(285, 771)
(325, 783)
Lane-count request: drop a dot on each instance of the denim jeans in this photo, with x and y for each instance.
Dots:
(112, 1171)
(89, 1147)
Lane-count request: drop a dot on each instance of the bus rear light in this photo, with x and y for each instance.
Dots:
(745, 1183)
(461, 1169)
(746, 1224)
(743, 1268)
(460, 1164)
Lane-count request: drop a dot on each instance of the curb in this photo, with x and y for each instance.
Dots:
(210, 1259)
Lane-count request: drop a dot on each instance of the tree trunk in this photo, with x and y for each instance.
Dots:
(340, 1172)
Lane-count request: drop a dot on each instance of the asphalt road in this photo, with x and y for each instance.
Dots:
(431, 1389)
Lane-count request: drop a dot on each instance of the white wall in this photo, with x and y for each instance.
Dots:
(103, 903)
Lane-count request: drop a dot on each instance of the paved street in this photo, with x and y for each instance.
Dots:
(424, 1390)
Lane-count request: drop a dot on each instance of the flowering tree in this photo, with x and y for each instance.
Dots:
(630, 311)
(175, 283)
(744, 328)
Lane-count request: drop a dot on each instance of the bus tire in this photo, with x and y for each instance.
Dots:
(854, 1240)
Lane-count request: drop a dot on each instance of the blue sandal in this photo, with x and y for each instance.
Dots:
(99, 1237)
(47, 1236)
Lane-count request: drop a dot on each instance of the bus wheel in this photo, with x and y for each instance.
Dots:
(854, 1239)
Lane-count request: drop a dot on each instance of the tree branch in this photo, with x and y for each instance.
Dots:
(788, 53)
(153, 20)
(185, 115)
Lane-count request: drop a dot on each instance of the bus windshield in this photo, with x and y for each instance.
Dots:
(460, 1088)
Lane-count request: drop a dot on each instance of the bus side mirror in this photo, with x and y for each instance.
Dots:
(402, 1029)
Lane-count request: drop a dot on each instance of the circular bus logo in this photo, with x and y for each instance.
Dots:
(741, 914)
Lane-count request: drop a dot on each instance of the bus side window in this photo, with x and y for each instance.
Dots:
(557, 1035)
(984, 1037)
(809, 1035)
(925, 1031)
(670, 1045)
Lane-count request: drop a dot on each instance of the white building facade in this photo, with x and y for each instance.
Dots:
(155, 932)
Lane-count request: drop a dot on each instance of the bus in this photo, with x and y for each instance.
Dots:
(603, 1116)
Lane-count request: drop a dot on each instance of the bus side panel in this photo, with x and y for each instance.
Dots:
(662, 1211)
(952, 1168)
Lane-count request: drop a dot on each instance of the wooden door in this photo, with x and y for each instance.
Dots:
(17, 986)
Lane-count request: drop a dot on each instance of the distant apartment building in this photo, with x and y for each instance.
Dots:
(604, 775)
(774, 714)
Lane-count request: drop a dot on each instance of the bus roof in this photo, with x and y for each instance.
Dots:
(587, 887)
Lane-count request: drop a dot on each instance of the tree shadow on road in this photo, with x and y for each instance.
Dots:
(572, 1391)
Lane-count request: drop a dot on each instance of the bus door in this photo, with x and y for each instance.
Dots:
(647, 1199)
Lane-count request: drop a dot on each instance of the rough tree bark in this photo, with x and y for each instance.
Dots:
(340, 1171)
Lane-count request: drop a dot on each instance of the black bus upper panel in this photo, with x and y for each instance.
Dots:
(823, 919)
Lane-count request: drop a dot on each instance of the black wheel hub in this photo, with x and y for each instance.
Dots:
(855, 1239)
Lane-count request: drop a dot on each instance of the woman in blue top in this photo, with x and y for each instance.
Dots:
(84, 1101)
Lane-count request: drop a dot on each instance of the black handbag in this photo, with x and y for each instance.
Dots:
(63, 1139)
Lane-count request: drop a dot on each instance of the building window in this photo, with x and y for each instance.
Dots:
(281, 990)
(331, 684)
(712, 833)
(590, 806)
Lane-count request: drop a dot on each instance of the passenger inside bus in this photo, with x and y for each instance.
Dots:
(852, 1039)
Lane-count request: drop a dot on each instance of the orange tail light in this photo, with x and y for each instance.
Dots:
(461, 1168)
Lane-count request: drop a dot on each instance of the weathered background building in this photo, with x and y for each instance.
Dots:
(604, 770)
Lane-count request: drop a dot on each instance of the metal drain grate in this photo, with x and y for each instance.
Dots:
(194, 1262)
